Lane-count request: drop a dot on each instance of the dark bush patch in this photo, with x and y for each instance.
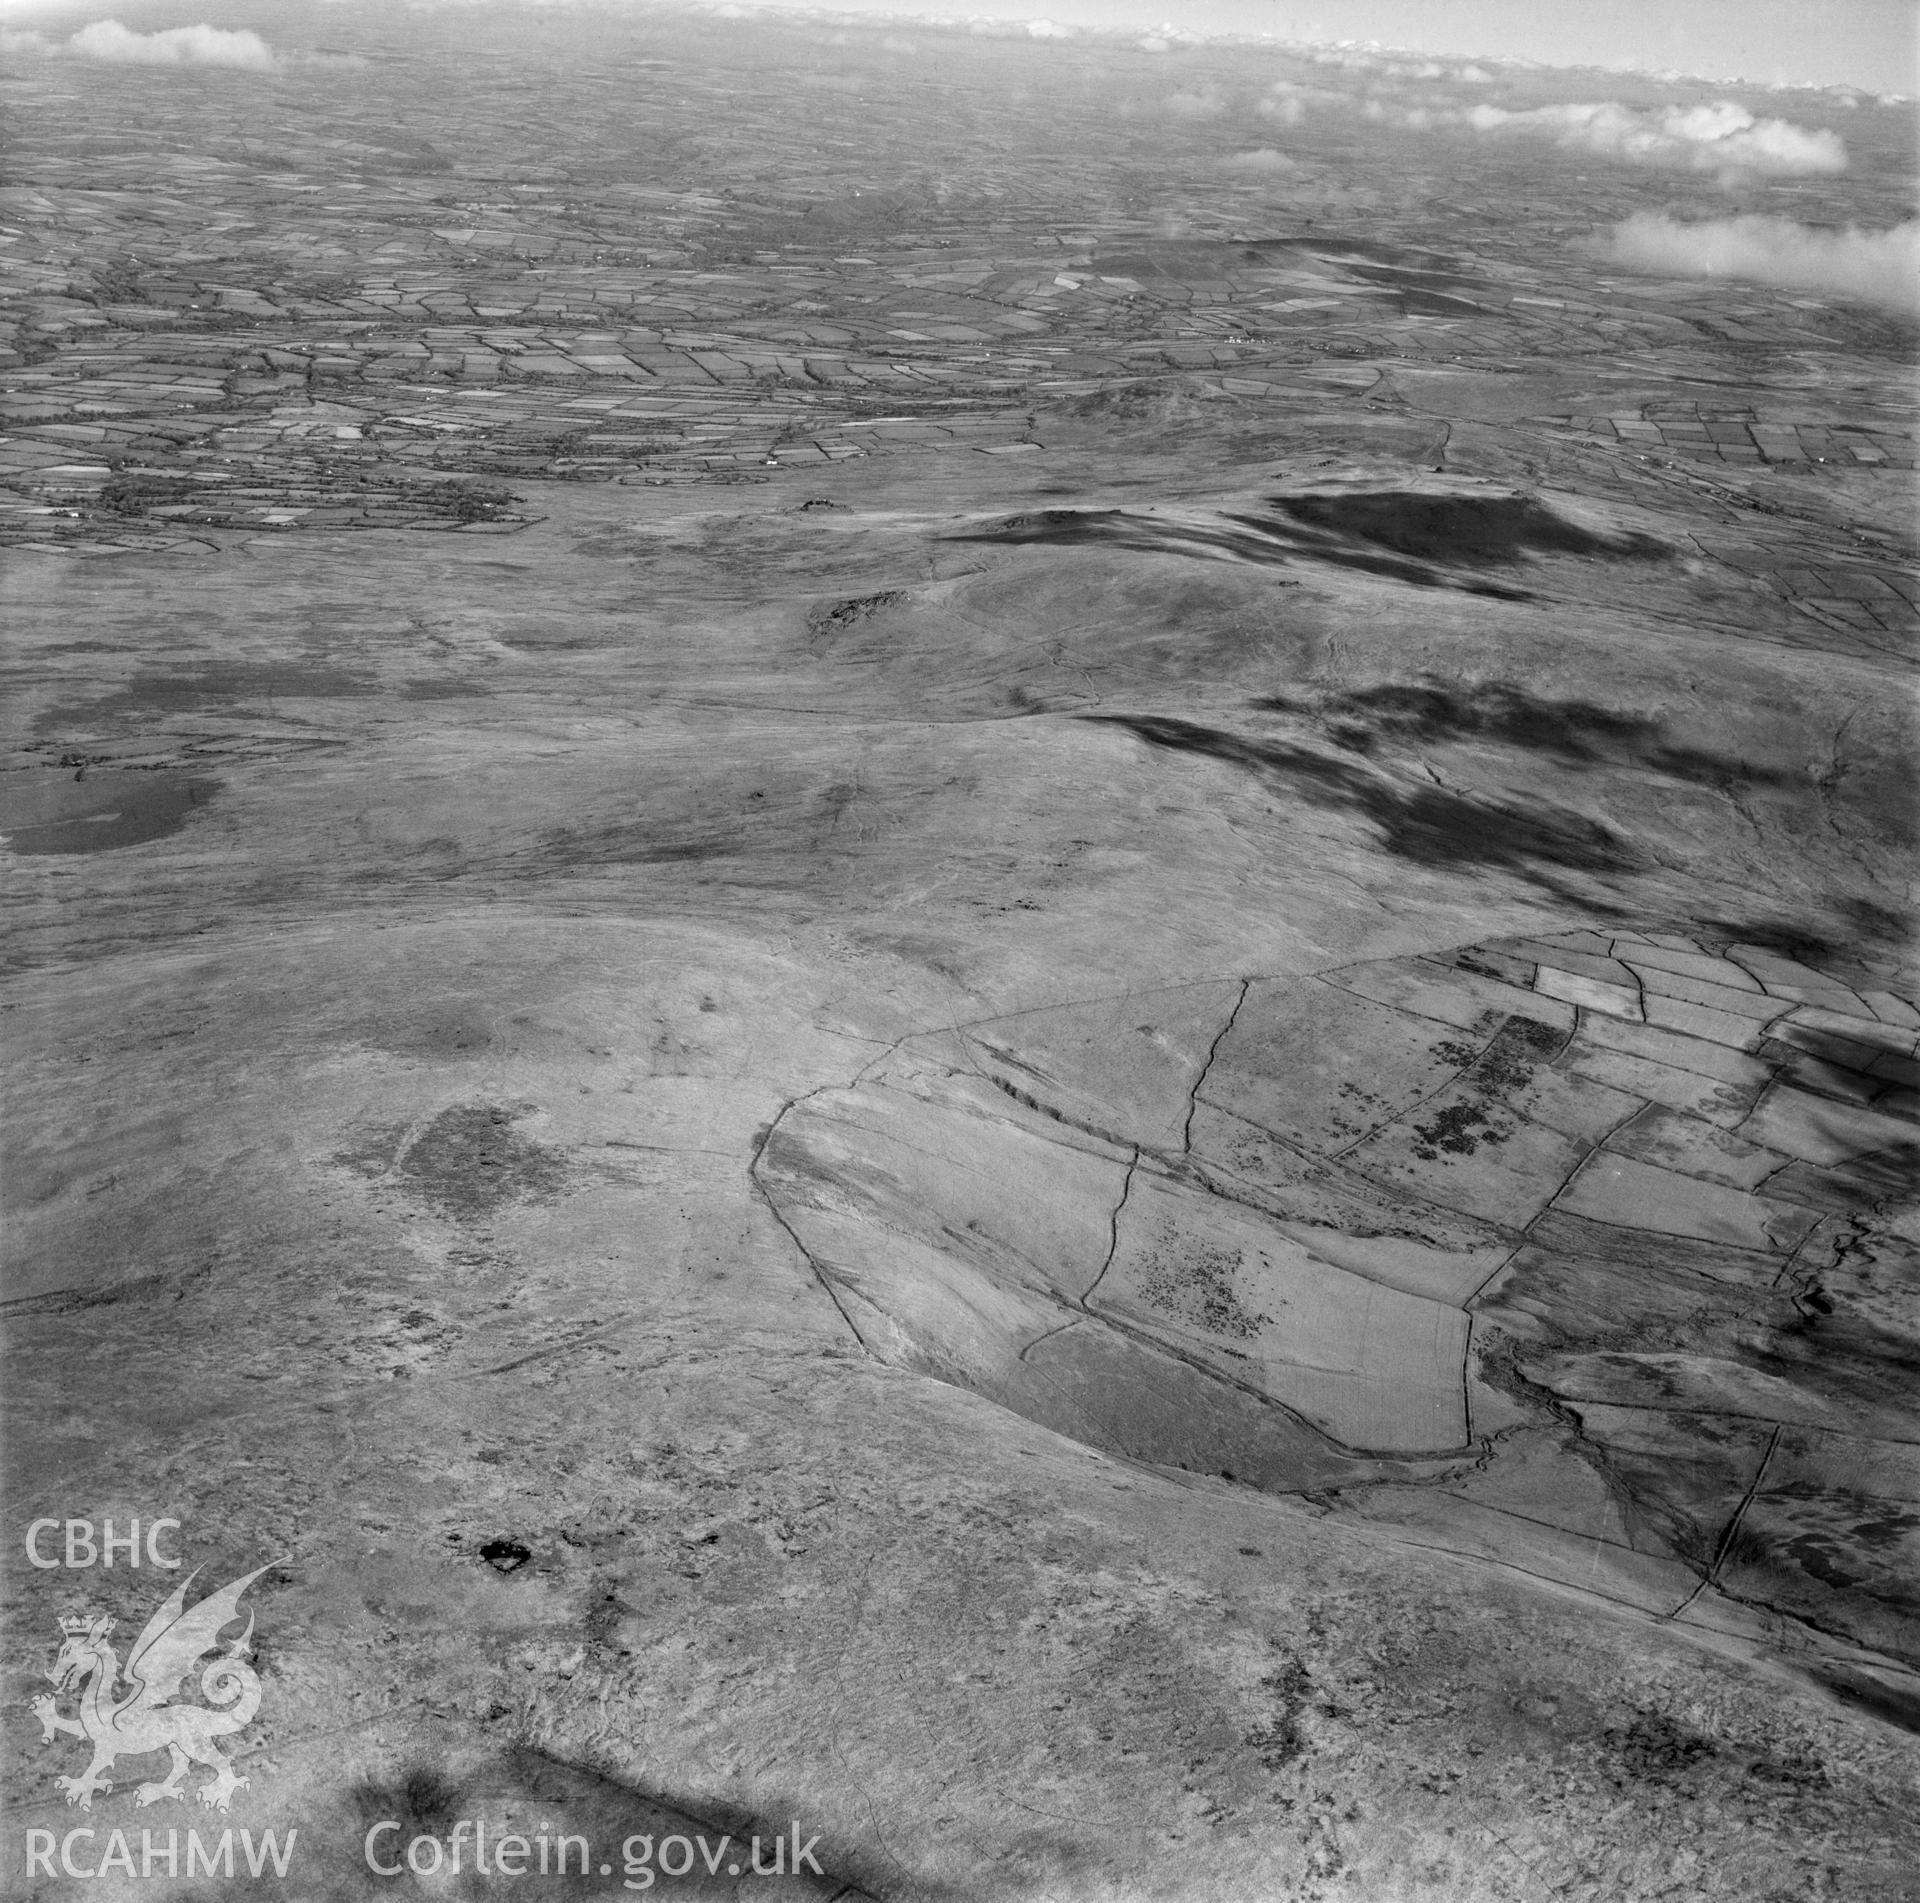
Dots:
(134, 495)
(834, 616)
(1655, 1749)
(1459, 1129)
(1279, 1741)
(462, 501)
(505, 1556)
(117, 282)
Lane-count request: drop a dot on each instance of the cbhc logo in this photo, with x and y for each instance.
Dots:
(83, 1550)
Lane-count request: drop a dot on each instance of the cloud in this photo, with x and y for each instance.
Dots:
(1721, 137)
(1262, 159)
(1878, 267)
(178, 46)
(1287, 101)
(1196, 102)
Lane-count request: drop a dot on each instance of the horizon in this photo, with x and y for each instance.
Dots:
(1871, 46)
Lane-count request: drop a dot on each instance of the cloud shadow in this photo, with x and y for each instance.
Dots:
(1427, 824)
(1578, 733)
(1428, 541)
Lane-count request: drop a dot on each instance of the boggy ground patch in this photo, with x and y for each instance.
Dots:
(44, 813)
(466, 1162)
(208, 689)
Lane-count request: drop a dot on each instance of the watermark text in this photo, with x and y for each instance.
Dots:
(643, 1858)
(80, 1549)
(161, 1854)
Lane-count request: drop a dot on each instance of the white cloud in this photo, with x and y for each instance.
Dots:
(1261, 159)
(1198, 102)
(1287, 101)
(1721, 137)
(1878, 267)
(178, 46)
(14, 41)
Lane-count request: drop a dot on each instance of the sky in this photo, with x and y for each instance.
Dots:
(1871, 44)
(1874, 44)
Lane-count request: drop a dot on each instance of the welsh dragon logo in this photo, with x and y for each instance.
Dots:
(139, 1717)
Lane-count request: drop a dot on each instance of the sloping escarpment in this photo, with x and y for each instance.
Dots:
(1584, 1253)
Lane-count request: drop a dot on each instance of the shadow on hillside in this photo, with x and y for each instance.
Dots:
(1422, 822)
(1579, 732)
(1470, 531)
(1402, 535)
